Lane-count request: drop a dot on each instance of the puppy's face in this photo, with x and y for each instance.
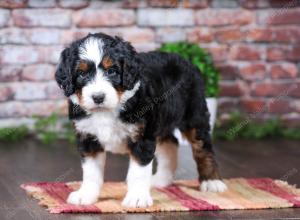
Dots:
(98, 72)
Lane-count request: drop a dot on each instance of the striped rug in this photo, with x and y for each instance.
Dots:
(183, 195)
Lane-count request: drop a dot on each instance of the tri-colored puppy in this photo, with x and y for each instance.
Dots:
(127, 102)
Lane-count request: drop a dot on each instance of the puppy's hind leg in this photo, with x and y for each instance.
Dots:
(166, 155)
(205, 161)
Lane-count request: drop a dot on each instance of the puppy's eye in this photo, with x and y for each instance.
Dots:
(83, 67)
(111, 71)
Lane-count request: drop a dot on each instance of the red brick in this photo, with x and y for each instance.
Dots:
(42, 17)
(12, 109)
(165, 17)
(38, 72)
(195, 4)
(136, 35)
(277, 53)
(253, 4)
(13, 36)
(29, 91)
(253, 71)
(227, 105)
(145, 47)
(104, 18)
(44, 36)
(269, 89)
(10, 73)
(53, 91)
(279, 106)
(221, 17)
(295, 90)
(13, 3)
(224, 4)
(18, 55)
(4, 17)
(228, 71)
(284, 4)
(133, 4)
(245, 52)
(74, 4)
(294, 53)
(163, 4)
(260, 34)
(229, 35)
(28, 109)
(253, 105)
(50, 54)
(36, 36)
(284, 70)
(169, 34)
(279, 17)
(41, 4)
(278, 34)
(287, 35)
(199, 35)
(218, 52)
(232, 89)
(296, 106)
(6, 93)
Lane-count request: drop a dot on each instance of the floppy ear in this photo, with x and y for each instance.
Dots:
(63, 74)
(131, 65)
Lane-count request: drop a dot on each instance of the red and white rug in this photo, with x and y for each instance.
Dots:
(183, 195)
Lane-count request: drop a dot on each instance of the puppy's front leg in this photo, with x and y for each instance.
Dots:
(93, 170)
(93, 161)
(138, 185)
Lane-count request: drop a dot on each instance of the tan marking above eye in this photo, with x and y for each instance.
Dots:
(83, 66)
(107, 62)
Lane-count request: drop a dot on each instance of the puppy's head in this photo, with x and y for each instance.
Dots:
(99, 72)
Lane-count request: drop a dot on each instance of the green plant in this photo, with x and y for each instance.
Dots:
(238, 126)
(47, 129)
(201, 59)
(12, 134)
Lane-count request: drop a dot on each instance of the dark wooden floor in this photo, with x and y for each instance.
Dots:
(31, 161)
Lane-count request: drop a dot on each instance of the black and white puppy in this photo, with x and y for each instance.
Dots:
(127, 102)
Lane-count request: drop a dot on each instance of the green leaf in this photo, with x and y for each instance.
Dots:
(201, 59)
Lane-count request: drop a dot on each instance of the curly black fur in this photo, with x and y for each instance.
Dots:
(171, 93)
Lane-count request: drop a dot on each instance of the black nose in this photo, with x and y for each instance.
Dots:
(98, 98)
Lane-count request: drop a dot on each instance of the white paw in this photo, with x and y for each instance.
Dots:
(161, 180)
(213, 186)
(137, 200)
(82, 197)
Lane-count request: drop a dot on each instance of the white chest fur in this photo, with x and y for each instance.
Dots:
(110, 131)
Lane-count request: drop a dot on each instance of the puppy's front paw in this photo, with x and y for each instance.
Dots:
(137, 200)
(213, 186)
(82, 197)
(161, 180)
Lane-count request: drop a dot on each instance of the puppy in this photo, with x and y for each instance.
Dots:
(127, 102)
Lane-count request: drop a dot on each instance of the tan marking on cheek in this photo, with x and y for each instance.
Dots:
(83, 66)
(120, 93)
(79, 95)
(106, 62)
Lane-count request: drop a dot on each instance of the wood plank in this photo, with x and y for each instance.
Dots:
(31, 161)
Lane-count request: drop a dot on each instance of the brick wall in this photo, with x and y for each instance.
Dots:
(255, 43)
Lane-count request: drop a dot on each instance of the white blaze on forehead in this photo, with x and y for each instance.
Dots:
(92, 49)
